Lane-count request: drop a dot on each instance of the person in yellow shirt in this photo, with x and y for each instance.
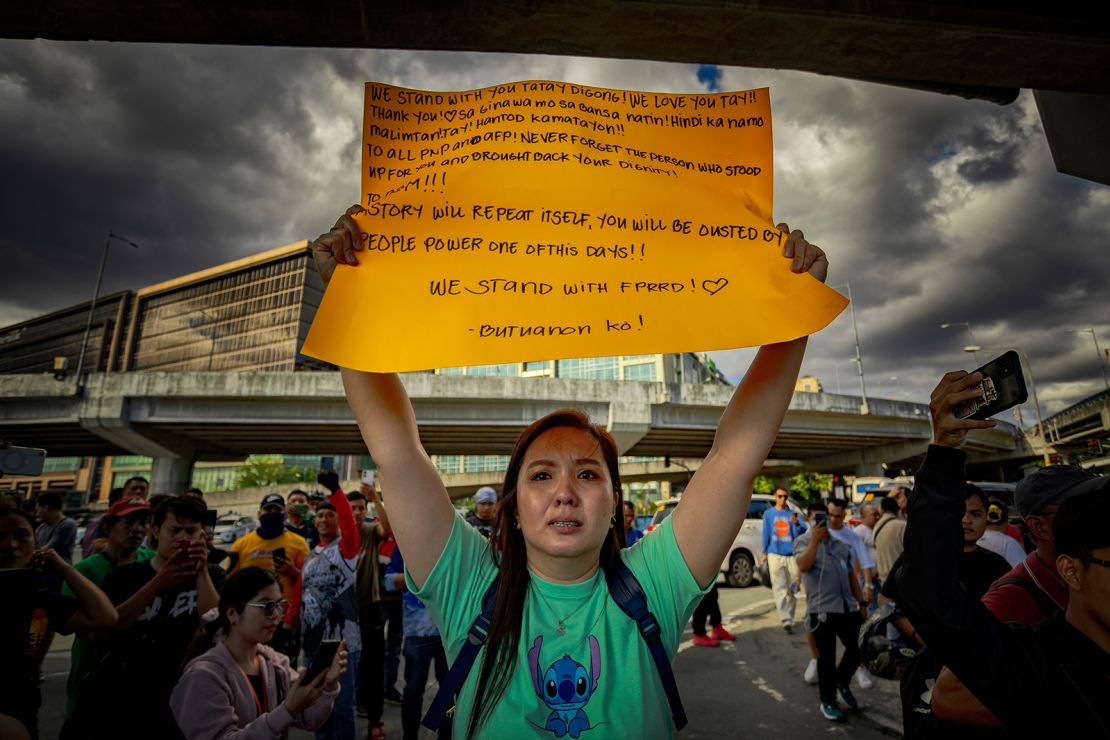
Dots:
(273, 547)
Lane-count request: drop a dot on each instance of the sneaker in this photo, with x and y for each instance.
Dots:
(392, 696)
(863, 678)
(831, 712)
(811, 672)
(705, 641)
(721, 634)
(788, 626)
(376, 732)
(846, 697)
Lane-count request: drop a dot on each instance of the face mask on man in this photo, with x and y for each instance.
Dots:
(270, 526)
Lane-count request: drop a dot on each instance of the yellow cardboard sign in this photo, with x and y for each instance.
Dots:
(546, 220)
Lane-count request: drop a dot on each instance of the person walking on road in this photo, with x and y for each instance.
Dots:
(781, 527)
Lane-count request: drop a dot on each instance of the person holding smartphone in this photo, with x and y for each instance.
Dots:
(241, 686)
(835, 608)
(160, 603)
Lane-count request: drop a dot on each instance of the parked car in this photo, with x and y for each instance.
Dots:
(231, 527)
(747, 549)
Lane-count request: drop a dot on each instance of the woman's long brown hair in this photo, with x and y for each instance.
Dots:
(503, 642)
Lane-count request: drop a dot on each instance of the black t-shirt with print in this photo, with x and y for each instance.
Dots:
(166, 628)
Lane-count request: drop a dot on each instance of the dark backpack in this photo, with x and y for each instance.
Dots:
(625, 591)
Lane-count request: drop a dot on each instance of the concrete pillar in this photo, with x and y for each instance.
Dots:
(870, 469)
(171, 474)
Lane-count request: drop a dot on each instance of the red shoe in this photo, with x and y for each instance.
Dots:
(720, 633)
(704, 641)
(377, 732)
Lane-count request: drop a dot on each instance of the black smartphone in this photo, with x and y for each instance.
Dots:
(821, 519)
(278, 554)
(1003, 388)
(321, 660)
(210, 519)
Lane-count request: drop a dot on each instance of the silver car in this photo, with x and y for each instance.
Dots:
(747, 549)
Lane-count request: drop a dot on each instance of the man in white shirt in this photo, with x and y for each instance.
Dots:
(995, 538)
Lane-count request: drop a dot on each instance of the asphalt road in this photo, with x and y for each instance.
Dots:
(750, 688)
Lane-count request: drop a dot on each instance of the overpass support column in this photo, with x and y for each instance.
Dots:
(171, 474)
(870, 469)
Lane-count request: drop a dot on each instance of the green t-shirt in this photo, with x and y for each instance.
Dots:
(83, 657)
(599, 675)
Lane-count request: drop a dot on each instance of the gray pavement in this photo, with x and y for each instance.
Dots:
(750, 688)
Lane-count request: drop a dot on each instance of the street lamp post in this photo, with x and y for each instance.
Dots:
(863, 407)
(1098, 353)
(971, 345)
(92, 305)
(836, 369)
(1033, 389)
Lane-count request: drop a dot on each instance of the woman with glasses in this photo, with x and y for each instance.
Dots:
(242, 688)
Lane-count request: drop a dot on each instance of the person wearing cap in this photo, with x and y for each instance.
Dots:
(995, 538)
(1032, 591)
(1038, 682)
(257, 549)
(125, 525)
(485, 507)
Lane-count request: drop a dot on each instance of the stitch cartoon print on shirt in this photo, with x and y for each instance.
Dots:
(565, 687)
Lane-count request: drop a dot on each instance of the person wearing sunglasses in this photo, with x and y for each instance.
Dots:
(243, 688)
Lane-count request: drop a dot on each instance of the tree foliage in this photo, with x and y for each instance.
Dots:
(269, 470)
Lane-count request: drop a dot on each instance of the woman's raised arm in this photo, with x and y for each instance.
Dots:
(715, 503)
(420, 511)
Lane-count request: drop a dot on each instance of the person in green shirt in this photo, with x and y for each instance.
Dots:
(561, 658)
(126, 525)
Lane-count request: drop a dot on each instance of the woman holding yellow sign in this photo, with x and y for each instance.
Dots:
(571, 631)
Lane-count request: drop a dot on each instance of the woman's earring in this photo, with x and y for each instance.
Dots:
(612, 521)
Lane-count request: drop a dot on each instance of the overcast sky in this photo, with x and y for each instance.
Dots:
(936, 209)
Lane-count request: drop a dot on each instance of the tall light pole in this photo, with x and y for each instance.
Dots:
(836, 369)
(971, 345)
(863, 408)
(92, 305)
(1098, 353)
(1033, 388)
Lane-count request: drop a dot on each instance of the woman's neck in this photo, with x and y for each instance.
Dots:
(563, 570)
(244, 651)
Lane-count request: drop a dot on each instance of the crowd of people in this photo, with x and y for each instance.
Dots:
(544, 611)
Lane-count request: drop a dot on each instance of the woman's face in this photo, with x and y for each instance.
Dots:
(17, 542)
(565, 503)
(253, 624)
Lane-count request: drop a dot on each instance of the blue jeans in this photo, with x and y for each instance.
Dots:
(341, 723)
(394, 631)
(420, 653)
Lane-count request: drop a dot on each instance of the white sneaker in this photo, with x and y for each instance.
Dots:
(863, 678)
(811, 672)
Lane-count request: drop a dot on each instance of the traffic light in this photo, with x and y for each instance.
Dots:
(1094, 446)
(1056, 459)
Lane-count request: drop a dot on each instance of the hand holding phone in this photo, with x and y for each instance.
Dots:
(1002, 387)
(321, 660)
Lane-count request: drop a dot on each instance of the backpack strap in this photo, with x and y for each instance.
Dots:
(1044, 601)
(452, 683)
(629, 595)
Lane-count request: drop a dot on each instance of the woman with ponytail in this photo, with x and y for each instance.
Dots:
(241, 688)
(561, 658)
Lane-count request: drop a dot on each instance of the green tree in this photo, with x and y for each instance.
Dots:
(270, 470)
(763, 484)
(807, 487)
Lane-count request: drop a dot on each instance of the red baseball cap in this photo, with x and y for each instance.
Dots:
(126, 506)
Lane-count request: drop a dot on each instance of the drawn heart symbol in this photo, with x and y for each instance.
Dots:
(449, 115)
(713, 287)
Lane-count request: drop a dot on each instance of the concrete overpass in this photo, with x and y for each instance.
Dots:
(179, 418)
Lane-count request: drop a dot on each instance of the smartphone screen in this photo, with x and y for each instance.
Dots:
(1003, 387)
(821, 518)
(278, 554)
(321, 660)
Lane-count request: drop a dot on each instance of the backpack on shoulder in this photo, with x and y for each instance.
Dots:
(625, 591)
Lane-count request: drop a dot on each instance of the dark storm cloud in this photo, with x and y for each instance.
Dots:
(936, 209)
